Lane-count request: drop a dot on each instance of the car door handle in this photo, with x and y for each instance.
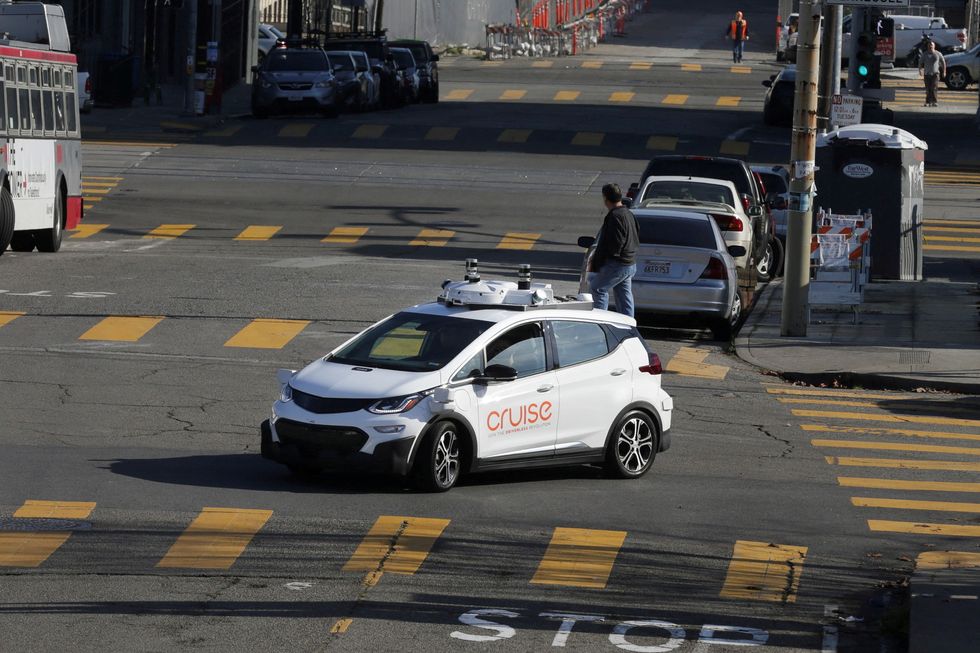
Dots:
(618, 372)
(545, 388)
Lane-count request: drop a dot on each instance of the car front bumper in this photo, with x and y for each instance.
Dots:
(315, 99)
(391, 457)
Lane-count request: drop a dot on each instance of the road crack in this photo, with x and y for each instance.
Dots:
(766, 432)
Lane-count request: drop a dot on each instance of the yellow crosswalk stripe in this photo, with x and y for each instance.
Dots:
(514, 136)
(691, 67)
(543, 64)
(931, 560)
(170, 231)
(905, 504)
(95, 190)
(920, 486)
(666, 143)
(951, 248)
(826, 393)
(369, 131)
(89, 185)
(946, 435)
(345, 235)
(518, 240)
(432, 238)
(902, 463)
(901, 419)
(622, 96)
(226, 132)
(675, 99)
(87, 229)
(88, 206)
(737, 148)
(641, 65)
(592, 64)
(296, 130)
(32, 548)
(761, 571)
(441, 133)
(89, 198)
(728, 101)
(513, 94)
(689, 361)
(6, 317)
(566, 96)
(215, 539)
(971, 223)
(959, 230)
(951, 239)
(460, 93)
(919, 528)
(397, 545)
(741, 70)
(588, 139)
(579, 557)
(341, 626)
(96, 178)
(894, 446)
(267, 334)
(258, 232)
(121, 329)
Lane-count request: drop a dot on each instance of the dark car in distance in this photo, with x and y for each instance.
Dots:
(778, 106)
(427, 63)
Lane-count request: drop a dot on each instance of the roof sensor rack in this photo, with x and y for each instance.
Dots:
(524, 295)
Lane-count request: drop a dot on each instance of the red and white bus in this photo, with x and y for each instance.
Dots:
(40, 134)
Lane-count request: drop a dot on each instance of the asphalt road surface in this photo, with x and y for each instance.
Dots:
(137, 364)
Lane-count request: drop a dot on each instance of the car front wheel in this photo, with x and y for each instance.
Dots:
(633, 446)
(439, 460)
(957, 79)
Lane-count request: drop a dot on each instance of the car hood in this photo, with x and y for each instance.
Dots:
(970, 56)
(345, 76)
(326, 379)
(299, 76)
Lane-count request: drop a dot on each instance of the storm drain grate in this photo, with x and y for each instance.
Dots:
(914, 357)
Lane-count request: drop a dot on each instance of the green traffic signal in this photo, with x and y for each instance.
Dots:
(863, 70)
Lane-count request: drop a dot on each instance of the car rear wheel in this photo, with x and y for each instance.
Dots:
(724, 329)
(957, 79)
(633, 446)
(439, 459)
(6, 219)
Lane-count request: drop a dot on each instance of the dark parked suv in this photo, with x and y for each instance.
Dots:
(375, 45)
(427, 62)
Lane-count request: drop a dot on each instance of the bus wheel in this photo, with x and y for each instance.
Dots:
(23, 241)
(6, 218)
(49, 240)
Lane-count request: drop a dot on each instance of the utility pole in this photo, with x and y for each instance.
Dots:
(294, 22)
(796, 288)
(830, 54)
(191, 57)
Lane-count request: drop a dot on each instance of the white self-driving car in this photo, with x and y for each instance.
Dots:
(493, 375)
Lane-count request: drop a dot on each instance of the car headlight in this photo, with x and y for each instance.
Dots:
(323, 84)
(286, 394)
(265, 83)
(393, 405)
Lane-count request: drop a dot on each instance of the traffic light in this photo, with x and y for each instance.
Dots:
(866, 55)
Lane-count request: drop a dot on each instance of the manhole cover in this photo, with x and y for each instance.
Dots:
(914, 357)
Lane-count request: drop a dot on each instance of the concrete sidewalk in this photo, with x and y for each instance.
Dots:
(909, 335)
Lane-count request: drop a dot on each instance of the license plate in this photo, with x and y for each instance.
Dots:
(659, 268)
(295, 98)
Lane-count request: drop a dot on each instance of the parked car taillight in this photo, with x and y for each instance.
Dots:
(746, 202)
(715, 270)
(728, 222)
(88, 85)
(654, 366)
(633, 190)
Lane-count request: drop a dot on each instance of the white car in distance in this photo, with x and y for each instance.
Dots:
(493, 375)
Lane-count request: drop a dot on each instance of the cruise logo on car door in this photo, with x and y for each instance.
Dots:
(523, 418)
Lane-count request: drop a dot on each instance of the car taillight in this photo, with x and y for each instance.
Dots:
(633, 190)
(715, 269)
(654, 366)
(961, 35)
(745, 202)
(728, 222)
(88, 84)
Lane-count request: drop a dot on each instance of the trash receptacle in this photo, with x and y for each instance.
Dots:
(881, 169)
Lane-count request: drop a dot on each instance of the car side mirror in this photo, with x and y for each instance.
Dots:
(755, 211)
(435, 57)
(283, 376)
(767, 83)
(627, 202)
(586, 242)
(736, 250)
(496, 374)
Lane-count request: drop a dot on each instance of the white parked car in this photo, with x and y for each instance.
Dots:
(963, 69)
(269, 37)
(494, 375)
(85, 99)
(776, 180)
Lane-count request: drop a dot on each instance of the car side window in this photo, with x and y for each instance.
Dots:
(578, 342)
(521, 348)
(473, 367)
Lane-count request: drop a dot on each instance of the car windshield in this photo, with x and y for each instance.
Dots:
(297, 61)
(341, 62)
(711, 169)
(676, 232)
(403, 58)
(373, 49)
(411, 342)
(418, 51)
(689, 190)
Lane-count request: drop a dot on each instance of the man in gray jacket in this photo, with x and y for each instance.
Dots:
(614, 260)
(932, 66)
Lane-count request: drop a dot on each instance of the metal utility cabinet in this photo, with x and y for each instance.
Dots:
(878, 168)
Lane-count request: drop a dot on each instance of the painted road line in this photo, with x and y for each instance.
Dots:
(94, 178)
(675, 99)
(170, 231)
(738, 148)
(514, 136)
(666, 143)
(267, 334)
(518, 240)
(961, 230)
(88, 206)
(592, 64)
(461, 93)
(99, 184)
(6, 317)
(691, 67)
(689, 361)
(904, 504)
(622, 96)
(850, 403)
(543, 64)
(741, 70)
(87, 230)
(121, 329)
(893, 484)
(641, 65)
(902, 419)
(588, 139)
(761, 571)
(827, 393)
(919, 528)
(970, 223)
(728, 101)
(397, 545)
(369, 131)
(258, 232)
(932, 560)
(566, 96)
(95, 190)
(341, 626)
(895, 446)
(513, 94)
(951, 248)
(227, 132)
(296, 130)
(951, 239)
(432, 238)
(441, 133)
(215, 539)
(944, 435)
(579, 557)
(89, 198)
(32, 548)
(345, 235)
(898, 463)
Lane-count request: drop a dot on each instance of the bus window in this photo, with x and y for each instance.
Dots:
(3, 116)
(33, 76)
(9, 74)
(21, 75)
(71, 112)
(36, 110)
(11, 109)
(69, 84)
(46, 77)
(48, 111)
(57, 79)
(25, 109)
(59, 111)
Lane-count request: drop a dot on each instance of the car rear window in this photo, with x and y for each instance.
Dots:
(297, 61)
(403, 59)
(689, 190)
(677, 232)
(373, 49)
(774, 183)
(712, 169)
(341, 62)
(418, 51)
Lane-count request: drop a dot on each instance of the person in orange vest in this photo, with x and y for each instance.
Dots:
(738, 32)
